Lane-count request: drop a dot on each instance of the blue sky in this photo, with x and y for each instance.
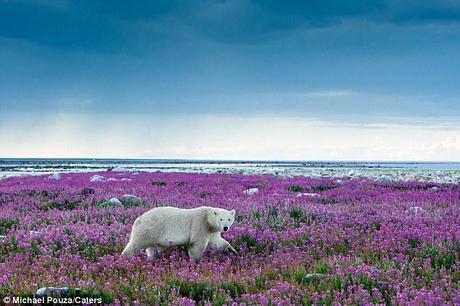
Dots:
(212, 79)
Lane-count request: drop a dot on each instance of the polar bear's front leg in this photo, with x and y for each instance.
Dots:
(197, 249)
(229, 247)
(219, 243)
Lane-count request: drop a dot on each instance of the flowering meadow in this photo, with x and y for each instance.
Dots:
(320, 241)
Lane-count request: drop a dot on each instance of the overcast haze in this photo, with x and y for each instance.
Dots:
(377, 80)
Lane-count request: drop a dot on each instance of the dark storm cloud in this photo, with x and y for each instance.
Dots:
(129, 25)
(231, 57)
(59, 27)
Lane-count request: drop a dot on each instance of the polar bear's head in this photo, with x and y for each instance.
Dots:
(220, 220)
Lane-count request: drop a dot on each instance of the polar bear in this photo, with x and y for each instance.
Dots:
(196, 228)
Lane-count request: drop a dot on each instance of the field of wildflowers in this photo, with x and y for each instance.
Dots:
(321, 241)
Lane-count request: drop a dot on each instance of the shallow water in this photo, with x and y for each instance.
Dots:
(45, 165)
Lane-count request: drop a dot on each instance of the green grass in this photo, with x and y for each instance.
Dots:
(7, 224)
(158, 183)
(295, 188)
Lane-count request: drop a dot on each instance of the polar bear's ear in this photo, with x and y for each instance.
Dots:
(233, 212)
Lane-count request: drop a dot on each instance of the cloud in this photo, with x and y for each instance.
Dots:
(329, 94)
(73, 102)
(134, 136)
(59, 28)
(344, 61)
(111, 26)
(447, 144)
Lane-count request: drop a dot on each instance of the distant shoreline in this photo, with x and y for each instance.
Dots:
(444, 172)
(440, 165)
(182, 160)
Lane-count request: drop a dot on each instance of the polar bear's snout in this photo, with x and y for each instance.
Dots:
(224, 219)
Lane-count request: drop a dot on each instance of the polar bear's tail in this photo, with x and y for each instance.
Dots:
(130, 250)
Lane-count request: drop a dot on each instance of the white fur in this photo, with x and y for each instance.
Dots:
(196, 228)
(219, 243)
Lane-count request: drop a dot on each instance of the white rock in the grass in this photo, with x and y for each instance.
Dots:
(125, 179)
(55, 176)
(351, 173)
(54, 291)
(119, 169)
(307, 194)
(416, 210)
(268, 171)
(40, 292)
(435, 188)
(314, 276)
(251, 191)
(97, 178)
(111, 179)
(115, 202)
(339, 181)
(131, 197)
(34, 234)
(383, 179)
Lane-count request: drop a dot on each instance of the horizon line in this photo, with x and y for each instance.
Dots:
(235, 160)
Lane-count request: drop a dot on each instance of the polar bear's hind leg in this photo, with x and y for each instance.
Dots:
(153, 252)
(130, 250)
(197, 250)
